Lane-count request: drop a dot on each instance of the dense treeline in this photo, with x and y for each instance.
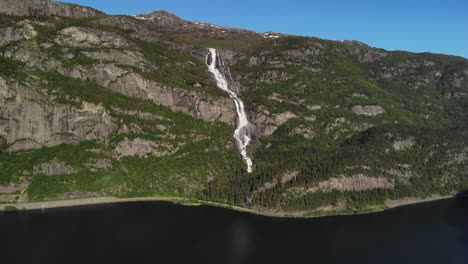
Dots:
(369, 152)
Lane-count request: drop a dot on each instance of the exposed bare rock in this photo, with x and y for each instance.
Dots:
(358, 95)
(355, 183)
(330, 208)
(13, 187)
(75, 195)
(301, 54)
(89, 37)
(314, 107)
(130, 129)
(339, 122)
(275, 77)
(461, 157)
(27, 52)
(132, 58)
(254, 61)
(99, 164)
(370, 110)
(268, 186)
(165, 21)
(281, 99)
(28, 122)
(142, 148)
(267, 125)
(289, 176)
(366, 54)
(134, 85)
(8, 198)
(55, 167)
(404, 144)
(23, 31)
(139, 114)
(306, 132)
(310, 118)
(46, 8)
(136, 28)
(402, 171)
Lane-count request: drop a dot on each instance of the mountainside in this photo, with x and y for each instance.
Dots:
(97, 105)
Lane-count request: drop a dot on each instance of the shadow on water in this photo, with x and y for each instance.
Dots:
(458, 220)
(462, 195)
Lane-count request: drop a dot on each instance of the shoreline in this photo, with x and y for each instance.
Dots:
(390, 204)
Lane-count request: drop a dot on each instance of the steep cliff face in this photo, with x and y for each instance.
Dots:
(29, 121)
(94, 105)
(134, 85)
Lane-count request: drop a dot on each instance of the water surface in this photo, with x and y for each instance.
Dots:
(158, 232)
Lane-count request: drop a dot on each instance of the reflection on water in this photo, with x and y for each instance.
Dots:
(165, 233)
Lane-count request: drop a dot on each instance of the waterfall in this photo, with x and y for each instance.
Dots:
(242, 132)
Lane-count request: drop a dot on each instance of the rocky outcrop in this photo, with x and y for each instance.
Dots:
(30, 54)
(134, 85)
(75, 195)
(305, 131)
(55, 167)
(355, 183)
(132, 58)
(29, 121)
(135, 28)
(165, 21)
(22, 31)
(13, 188)
(46, 8)
(99, 164)
(142, 148)
(289, 176)
(370, 110)
(267, 124)
(404, 144)
(89, 37)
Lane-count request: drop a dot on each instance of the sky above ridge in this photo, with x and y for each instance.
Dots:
(438, 26)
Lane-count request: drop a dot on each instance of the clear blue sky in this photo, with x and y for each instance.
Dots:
(439, 26)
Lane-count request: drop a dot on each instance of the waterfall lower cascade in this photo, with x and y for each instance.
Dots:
(242, 132)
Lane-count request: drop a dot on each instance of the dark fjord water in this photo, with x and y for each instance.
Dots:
(152, 232)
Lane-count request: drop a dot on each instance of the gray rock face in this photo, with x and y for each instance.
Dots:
(142, 148)
(370, 110)
(139, 30)
(46, 8)
(355, 183)
(28, 121)
(267, 125)
(134, 85)
(90, 37)
(132, 58)
(99, 164)
(55, 167)
(24, 30)
(166, 20)
(27, 52)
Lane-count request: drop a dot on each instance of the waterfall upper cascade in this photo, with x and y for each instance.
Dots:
(242, 132)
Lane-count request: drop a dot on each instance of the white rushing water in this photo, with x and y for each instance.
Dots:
(242, 133)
